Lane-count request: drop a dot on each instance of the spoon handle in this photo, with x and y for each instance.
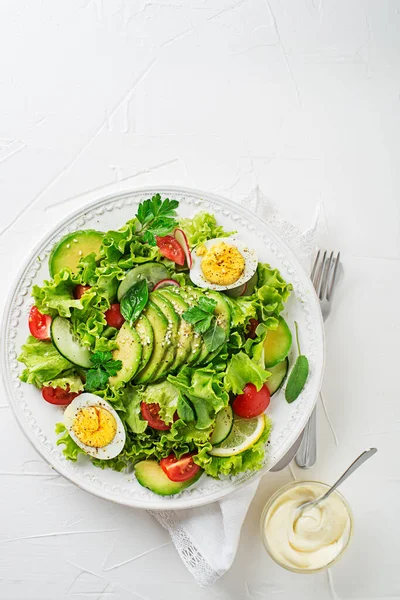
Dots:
(354, 465)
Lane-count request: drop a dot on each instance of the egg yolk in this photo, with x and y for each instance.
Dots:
(95, 426)
(222, 264)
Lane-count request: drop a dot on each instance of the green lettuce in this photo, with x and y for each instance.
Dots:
(249, 460)
(205, 389)
(166, 395)
(133, 416)
(242, 310)
(56, 296)
(272, 291)
(42, 361)
(242, 370)
(202, 227)
(71, 450)
(67, 380)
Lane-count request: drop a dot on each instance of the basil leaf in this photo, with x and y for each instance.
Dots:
(214, 337)
(134, 301)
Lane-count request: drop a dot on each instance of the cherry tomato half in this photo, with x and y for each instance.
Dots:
(58, 396)
(113, 316)
(179, 469)
(251, 403)
(39, 324)
(171, 249)
(80, 290)
(150, 414)
(251, 329)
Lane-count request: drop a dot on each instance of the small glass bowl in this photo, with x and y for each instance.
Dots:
(270, 503)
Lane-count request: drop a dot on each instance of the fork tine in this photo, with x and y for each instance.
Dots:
(325, 277)
(315, 266)
(332, 283)
(318, 275)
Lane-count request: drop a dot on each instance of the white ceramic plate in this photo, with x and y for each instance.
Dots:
(37, 418)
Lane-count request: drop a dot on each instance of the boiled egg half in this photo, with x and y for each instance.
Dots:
(95, 426)
(222, 264)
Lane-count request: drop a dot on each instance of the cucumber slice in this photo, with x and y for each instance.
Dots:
(68, 344)
(277, 344)
(151, 476)
(223, 425)
(68, 252)
(278, 375)
(152, 272)
(129, 352)
(146, 335)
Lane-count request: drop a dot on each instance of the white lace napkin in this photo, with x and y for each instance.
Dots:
(207, 537)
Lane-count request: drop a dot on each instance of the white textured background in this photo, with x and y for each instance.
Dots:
(300, 97)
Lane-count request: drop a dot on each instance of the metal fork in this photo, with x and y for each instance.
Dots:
(323, 277)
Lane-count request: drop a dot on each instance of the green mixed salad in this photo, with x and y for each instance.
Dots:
(156, 372)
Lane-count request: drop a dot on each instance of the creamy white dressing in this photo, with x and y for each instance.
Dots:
(310, 539)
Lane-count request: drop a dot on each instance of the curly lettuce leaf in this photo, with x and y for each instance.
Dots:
(71, 450)
(42, 361)
(202, 227)
(249, 460)
(242, 370)
(272, 291)
(205, 390)
(166, 395)
(56, 296)
(133, 416)
(67, 380)
(242, 310)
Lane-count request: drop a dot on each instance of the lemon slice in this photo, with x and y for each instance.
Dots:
(244, 434)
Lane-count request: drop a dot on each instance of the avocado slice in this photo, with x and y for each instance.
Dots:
(171, 340)
(72, 247)
(151, 476)
(195, 339)
(129, 352)
(146, 335)
(277, 344)
(191, 296)
(159, 324)
(185, 331)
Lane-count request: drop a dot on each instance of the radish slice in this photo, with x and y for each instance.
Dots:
(164, 283)
(181, 238)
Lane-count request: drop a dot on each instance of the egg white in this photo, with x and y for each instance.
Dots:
(85, 401)
(250, 264)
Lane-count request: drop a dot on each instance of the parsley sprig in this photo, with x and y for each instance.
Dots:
(103, 367)
(156, 217)
(204, 321)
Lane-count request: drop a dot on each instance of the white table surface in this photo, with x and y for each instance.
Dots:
(300, 97)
